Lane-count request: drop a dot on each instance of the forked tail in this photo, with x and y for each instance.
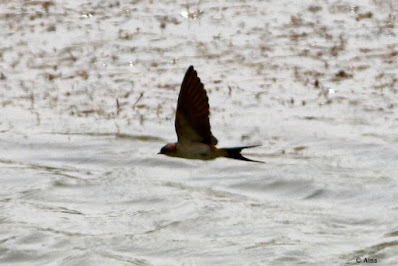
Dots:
(234, 153)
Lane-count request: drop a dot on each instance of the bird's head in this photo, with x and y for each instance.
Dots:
(168, 149)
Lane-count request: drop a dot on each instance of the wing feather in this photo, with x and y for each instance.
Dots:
(192, 117)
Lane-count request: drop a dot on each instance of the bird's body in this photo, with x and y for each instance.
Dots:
(195, 140)
(195, 150)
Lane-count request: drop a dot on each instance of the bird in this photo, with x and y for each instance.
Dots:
(192, 125)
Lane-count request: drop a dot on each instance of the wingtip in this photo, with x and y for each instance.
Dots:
(189, 74)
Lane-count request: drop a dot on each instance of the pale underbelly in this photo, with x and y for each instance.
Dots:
(198, 151)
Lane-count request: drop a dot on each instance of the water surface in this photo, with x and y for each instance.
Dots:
(87, 98)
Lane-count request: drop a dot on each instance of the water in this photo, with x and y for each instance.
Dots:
(314, 82)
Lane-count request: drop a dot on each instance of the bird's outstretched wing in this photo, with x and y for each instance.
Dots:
(192, 117)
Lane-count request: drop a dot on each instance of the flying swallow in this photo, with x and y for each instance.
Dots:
(195, 140)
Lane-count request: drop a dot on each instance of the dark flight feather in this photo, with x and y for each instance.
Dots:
(192, 117)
